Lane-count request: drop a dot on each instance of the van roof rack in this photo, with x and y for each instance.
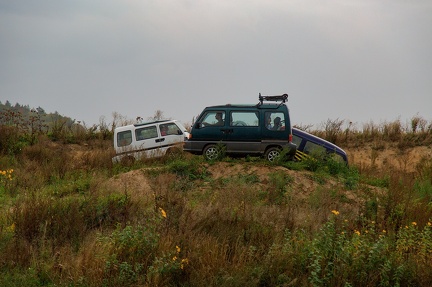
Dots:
(280, 98)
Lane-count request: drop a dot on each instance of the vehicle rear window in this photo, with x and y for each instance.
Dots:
(146, 133)
(337, 157)
(275, 121)
(124, 138)
(297, 140)
(313, 148)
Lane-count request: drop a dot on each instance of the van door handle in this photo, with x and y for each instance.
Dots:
(159, 140)
(227, 131)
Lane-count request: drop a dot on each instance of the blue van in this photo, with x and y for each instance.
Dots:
(254, 129)
(308, 144)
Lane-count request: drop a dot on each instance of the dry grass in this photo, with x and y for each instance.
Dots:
(71, 217)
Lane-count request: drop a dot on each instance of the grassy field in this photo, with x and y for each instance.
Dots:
(69, 217)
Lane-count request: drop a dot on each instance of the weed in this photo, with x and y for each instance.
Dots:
(191, 169)
(333, 128)
(6, 178)
(105, 210)
(169, 267)
(279, 182)
(130, 251)
(63, 223)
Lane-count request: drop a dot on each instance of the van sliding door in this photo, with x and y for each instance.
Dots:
(244, 136)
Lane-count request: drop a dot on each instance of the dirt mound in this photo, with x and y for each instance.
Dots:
(302, 183)
(135, 183)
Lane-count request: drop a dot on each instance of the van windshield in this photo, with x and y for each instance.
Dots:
(213, 118)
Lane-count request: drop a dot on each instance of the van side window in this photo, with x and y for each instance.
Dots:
(275, 121)
(146, 133)
(124, 138)
(248, 119)
(163, 130)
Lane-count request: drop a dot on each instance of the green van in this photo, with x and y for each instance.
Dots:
(254, 129)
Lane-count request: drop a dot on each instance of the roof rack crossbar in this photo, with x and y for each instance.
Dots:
(279, 98)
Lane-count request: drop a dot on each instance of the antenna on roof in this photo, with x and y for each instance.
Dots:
(279, 98)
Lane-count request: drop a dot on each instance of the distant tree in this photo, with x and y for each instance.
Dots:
(8, 104)
(40, 110)
(119, 120)
(158, 115)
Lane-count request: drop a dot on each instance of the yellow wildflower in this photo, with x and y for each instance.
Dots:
(335, 212)
(183, 262)
(384, 231)
(178, 249)
(429, 224)
(414, 223)
(11, 228)
(174, 258)
(357, 232)
(163, 213)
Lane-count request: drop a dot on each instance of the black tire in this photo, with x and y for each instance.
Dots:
(272, 154)
(211, 152)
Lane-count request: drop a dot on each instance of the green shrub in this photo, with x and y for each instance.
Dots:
(191, 169)
(279, 183)
(130, 252)
(105, 210)
(11, 140)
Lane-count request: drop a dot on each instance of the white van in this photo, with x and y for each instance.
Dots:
(147, 140)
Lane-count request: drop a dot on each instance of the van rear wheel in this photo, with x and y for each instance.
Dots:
(211, 152)
(272, 154)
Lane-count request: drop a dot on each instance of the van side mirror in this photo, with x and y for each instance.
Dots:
(198, 125)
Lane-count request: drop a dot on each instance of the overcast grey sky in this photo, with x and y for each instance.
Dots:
(360, 61)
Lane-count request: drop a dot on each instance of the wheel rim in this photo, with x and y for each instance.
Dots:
(211, 153)
(272, 155)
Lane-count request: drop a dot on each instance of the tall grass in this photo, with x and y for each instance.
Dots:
(69, 217)
(415, 132)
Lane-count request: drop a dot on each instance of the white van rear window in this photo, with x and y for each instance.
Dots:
(124, 138)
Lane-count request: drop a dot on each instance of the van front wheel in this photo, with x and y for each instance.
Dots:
(272, 154)
(211, 152)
